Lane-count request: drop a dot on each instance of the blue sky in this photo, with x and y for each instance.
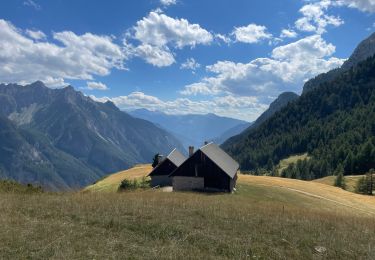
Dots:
(230, 57)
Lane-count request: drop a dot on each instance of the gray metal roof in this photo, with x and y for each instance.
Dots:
(176, 157)
(221, 158)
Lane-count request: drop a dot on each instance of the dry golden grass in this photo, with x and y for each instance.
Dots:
(344, 200)
(350, 181)
(112, 182)
(253, 223)
(266, 218)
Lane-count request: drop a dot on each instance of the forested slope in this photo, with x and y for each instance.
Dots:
(334, 123)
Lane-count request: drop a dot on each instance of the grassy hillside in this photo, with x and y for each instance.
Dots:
(283, 164)
(112, 182)
(9, 186)
(267, 218)
(350, 181)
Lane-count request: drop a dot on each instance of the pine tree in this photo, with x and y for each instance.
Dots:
(155, 160)
(370, 182)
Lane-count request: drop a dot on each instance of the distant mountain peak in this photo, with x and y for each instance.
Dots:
(111, 105)
(283, 99)
(38, 83)
(363, 51)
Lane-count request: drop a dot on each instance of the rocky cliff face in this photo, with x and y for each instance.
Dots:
(75, 140)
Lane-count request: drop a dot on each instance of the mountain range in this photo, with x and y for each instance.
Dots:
(61, 139)
(194, 130)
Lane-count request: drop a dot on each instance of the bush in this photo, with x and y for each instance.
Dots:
(134, 184)
(340, 181)
(361, 186)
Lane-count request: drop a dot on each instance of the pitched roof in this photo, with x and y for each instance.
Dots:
(221, 159)
(176, 157)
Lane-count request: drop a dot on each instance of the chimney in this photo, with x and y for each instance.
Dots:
(160, 158)
(191, 150)
(205, 142)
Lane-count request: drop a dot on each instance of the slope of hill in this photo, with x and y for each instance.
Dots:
(236, 130)
(334, 123)
(190, 129)
(321, 190)
(8, 186)
(281, 101)
(62, 139)
(350, 181)
(113, 181)
(267, 218)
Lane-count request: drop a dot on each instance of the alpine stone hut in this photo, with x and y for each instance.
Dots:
(209, 168)
(160, 174)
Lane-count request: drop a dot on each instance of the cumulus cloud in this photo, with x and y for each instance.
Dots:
(247, 108)
(315, 19)
(168, 2)
(159, 34)
(92, 85)
(287, 68)
(159, 29)
(288, 33)
(190, 64)
(22, 59)
(155, 55)
(252, 33)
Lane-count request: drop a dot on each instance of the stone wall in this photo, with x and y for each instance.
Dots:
(182, 183)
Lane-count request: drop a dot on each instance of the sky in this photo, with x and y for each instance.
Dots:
(228, 57)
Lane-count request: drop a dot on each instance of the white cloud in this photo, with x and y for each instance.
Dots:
(92, 85)
(36, 35)
(168, 2)
(315, 18)
(158, 34)
(159, 29)
(201, 88)
(190, 64)
(32, 4)
(247, 108)
(251, 34)
(223, 38)
(155, 55)
(287, 69)
(76, 57)
(362, 5)
(288, 33)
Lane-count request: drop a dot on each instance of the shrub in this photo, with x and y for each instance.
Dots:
(340, 179)
(361, 186)
(134, 184)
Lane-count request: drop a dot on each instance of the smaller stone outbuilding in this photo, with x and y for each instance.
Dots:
(160, 174)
